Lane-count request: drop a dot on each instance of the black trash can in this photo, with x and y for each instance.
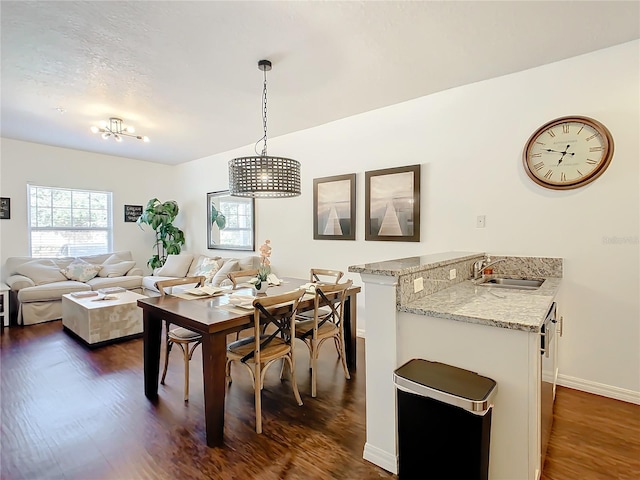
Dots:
(444, 421)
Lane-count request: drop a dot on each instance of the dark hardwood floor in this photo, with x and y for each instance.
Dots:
(593, 437)
(68, 412)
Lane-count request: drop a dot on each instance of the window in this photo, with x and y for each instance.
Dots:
(69, 223)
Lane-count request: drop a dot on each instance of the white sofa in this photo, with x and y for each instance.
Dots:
(39, 283)
(188, 265)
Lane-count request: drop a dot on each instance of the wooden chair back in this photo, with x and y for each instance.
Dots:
(278, 310)
(330, 297)
(162, 284)
(320, 275)
(234, 276)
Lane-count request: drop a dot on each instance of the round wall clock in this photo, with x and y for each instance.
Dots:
(568, 152)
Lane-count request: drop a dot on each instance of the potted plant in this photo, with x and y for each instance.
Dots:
(260, 282)
(169, 238)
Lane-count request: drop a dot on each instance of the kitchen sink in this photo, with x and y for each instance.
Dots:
(516, 283)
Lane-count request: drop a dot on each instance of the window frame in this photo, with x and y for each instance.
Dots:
(108, 229)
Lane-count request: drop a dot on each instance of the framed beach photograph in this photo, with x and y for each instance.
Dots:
(392, 204)
(334, 207)
(230, 222)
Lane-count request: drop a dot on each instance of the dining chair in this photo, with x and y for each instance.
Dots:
(234, 276)
(179, 335)
(315, 331)
(259, 351)
(321, 276)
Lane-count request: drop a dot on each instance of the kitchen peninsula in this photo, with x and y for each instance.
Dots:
(429, 307)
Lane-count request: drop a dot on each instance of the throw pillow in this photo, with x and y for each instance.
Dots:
(41, 271)
(229, 266)
(208, 268)
(81, 271)
(175, 266)
(119, 269)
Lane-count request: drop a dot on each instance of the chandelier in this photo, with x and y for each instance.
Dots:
(115, 128)
(264, 176)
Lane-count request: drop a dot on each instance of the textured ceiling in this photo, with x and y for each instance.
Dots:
(185, 73)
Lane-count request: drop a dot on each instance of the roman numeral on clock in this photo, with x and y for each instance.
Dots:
(563, 177)
(596, 149)
(539, 165)
(591, 162)
(548, 174)
(550, 132)
(565, 128)
(535, 155)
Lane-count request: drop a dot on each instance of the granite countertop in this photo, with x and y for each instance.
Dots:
(404, 266)
(498, 307)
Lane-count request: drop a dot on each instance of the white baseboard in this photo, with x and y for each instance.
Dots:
(381, 458)
(616, 393)
(360, 332)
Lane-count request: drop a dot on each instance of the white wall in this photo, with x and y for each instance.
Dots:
(469, 141)
(132, 182)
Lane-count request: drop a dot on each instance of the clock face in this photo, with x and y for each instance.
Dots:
(568, 152)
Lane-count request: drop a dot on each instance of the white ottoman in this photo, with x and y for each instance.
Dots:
(98, 322)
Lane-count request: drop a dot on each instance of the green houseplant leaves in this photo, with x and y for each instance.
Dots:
(169, 238)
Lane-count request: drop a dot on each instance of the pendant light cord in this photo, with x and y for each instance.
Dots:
(264, 119)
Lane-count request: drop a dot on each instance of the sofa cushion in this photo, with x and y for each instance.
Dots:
(80, 271)
(208, 268)
(129, 282)
(229, 266)
(249, 263)
(176, 266)
(50, 291)
(41, 271)
(197, 262)
(118, 269)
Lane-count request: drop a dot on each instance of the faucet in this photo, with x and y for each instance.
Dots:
(480, 265)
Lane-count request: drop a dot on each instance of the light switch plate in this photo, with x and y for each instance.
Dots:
(452, 273)
(418, 285)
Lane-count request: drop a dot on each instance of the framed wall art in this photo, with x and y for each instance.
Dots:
(237, 221)
(334, 207)
(392, 204)
(5, 208)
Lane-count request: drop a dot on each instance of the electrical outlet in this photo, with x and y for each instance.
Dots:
(481, 221)
(452, 274)
(418, 285)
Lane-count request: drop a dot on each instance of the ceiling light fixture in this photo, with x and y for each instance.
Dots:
(263, 176)
(116, 129)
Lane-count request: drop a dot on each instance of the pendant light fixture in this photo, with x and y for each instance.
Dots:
(264, 176)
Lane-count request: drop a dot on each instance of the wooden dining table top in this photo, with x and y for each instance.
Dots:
(205, 315)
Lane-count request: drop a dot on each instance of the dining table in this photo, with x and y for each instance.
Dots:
(214, 318)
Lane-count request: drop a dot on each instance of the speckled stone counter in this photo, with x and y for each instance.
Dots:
(462, 300)
(493, 306)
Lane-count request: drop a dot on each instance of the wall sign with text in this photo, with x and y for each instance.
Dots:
(5, 208)
(132, 213)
